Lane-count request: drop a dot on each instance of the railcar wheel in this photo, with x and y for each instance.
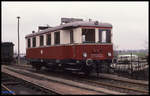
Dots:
(38, 68)
(87, 70)
(129, 71)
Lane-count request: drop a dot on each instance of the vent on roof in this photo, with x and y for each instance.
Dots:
(96, 22)
(68, 20)
(43, 27)
(33, 31)
(90, 20)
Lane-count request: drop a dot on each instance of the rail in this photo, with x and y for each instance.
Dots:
(117, 86)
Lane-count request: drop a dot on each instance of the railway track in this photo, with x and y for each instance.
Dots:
(130, 89)
(102, 76)
(119, 85)
(12, 85)
(58, 87)
(7, 91)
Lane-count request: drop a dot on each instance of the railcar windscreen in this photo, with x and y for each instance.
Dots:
(29, 43)
(88, 35)
(104, 36)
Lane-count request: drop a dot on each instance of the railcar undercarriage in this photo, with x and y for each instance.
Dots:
(85, 66)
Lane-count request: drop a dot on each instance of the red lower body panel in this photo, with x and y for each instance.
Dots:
(93, 51)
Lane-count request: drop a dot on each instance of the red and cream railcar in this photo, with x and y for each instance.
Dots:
(78, 45)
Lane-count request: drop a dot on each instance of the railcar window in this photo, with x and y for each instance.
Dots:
(57, 37)
(41, 40)
(108, 36)
(104, 36)
(29, 43)
(34, 41)
(88, 35)
(71, 36)
(48, 39)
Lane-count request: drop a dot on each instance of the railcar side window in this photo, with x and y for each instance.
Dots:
(108, 36)
(88, 35)
(104, 36)
(48, 39)
(71, 36)
(29, 43)
(34, 41)
(57, 37)
(41, 40)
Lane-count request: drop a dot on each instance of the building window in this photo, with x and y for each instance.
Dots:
(48, 39)
(41, 40)
(88, 35)
(34, 41)
(57, 37)
(71, 36)
(29, 43)
(104, 36)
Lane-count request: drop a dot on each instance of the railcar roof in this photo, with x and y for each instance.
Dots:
(72, 24)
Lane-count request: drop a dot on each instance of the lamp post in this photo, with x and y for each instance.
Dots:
(18, 42)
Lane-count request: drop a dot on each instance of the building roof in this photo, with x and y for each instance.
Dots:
(73, 25)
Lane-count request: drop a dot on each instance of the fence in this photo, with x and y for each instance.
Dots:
(130, 65)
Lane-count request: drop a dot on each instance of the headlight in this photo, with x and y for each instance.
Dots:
(84, 54)
(77, 61)
(109, 54)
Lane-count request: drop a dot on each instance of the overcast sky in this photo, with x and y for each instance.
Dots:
(129, 19)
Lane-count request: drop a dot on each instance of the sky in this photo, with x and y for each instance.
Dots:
(129, 20)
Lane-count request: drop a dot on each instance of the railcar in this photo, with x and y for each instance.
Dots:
(81, 46)
(7, 52)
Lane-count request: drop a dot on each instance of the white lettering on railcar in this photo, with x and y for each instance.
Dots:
(97, 55)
